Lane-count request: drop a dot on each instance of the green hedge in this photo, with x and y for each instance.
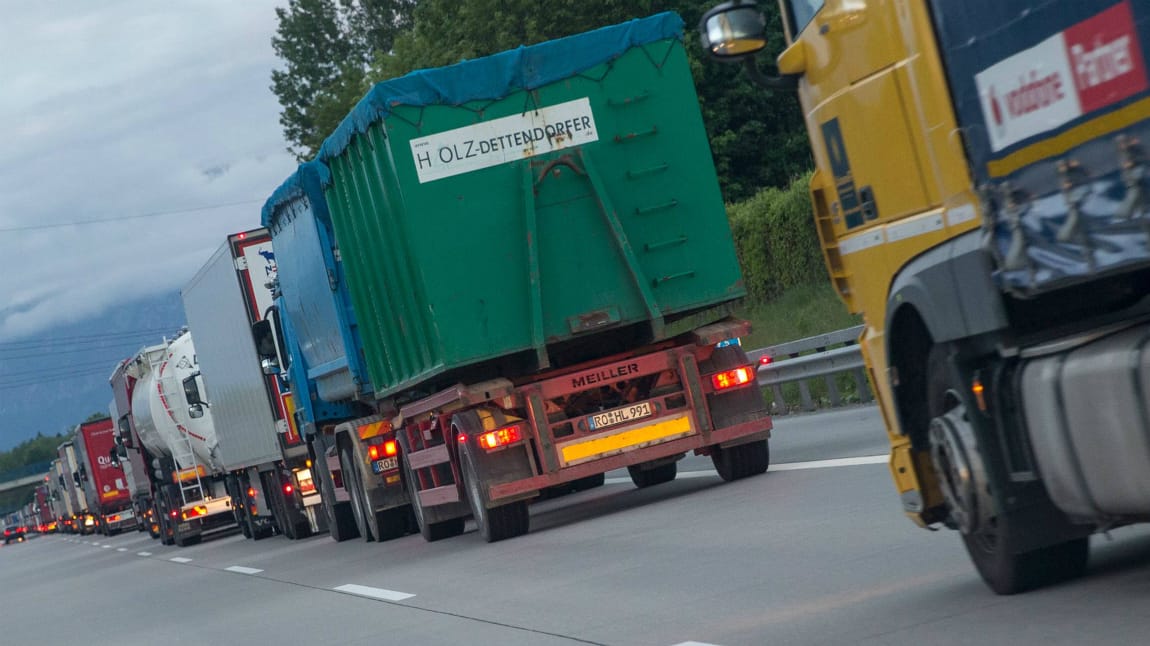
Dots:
(775, 240)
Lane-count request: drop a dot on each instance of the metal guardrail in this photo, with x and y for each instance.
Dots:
(793, 361)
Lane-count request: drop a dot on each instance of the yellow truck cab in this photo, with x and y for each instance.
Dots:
(980, 198)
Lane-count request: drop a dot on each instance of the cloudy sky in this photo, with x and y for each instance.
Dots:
(121, 109)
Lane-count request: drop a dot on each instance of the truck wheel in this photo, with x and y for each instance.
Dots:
(392, 523)
(590, 482)
(494, 523)
(741, 461)
(644, 478)
(341, 522)
(431, 532)
(352, 481)
(990, 536)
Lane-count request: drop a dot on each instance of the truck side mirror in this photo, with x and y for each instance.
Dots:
(195, 411)
(192, 393)
(270, 366)
(76, 478)
(736, 31)
(733, 30)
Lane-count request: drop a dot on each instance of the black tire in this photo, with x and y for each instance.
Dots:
(352, 481)
(494, 523)
(741, 461)
(992, 544)
(430, 532)
(644, 478)
(590, 482)
(341, 522)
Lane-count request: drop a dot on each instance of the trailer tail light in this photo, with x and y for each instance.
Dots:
(175, 514)
(195, 512)
(500, 438)
(389, 449)
(766, 360)
(113, 518)
(386, 450)
(733, 378)
(373, 452)
(288, 489)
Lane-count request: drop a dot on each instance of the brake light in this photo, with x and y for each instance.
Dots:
(766, 360)
(389, 448)
(113, 518)
(373, 452)
(500, 438)
(251, 492)
(175, 513)
(732, 378)
(288, 489)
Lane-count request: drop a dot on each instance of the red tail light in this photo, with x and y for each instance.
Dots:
(251, 492)
(195, 512)
(733, 378)
(373, 452)
(766, 360)
(500, 438)
(389, 448)
(288, 489)
(175, 514)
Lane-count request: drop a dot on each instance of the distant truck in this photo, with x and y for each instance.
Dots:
(260, 447)
(83, 520)
(187, 482)
(103, 481)
(513, 274)
(60, 500)
(133, 456)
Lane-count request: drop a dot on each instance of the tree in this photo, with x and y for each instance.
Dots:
(326, 47)
(757, 137)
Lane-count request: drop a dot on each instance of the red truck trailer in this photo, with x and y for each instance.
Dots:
(109, 497)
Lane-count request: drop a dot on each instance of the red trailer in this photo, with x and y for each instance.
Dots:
(105, 484)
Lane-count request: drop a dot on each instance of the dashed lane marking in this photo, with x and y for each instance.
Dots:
(694, 644)
(373, 593)
(121, 549)
(143, 553)
(180, 559)
(107, 547)
(239, 569)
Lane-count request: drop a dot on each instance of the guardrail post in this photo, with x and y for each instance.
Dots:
(862, 385)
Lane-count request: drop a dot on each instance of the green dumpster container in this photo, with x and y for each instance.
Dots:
(530, 209)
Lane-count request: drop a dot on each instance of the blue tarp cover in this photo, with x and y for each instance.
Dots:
(310, 178)
(500, 75)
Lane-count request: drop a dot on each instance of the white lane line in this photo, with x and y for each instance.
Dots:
(836, 462)
(239, 569)
(785, 466)
(374, 593)
(143, 553)
(121, 549)
(107, 547)
(694, 644)
(180, 559)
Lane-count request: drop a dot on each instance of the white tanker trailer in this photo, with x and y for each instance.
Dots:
(176, 429)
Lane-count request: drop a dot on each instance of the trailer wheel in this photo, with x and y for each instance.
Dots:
(644, 478)
(989, 535)
(741, 461)
(494, 523)
(590, 482)
(351, 477)
(341, 522)
(431, 532)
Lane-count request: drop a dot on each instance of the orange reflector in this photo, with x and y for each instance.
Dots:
(373, 452)
(389, 448)
(978, 389)
(501, 437)
(733, 378)
(251, 492)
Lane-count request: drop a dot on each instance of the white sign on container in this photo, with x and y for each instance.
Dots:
(503, 140)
